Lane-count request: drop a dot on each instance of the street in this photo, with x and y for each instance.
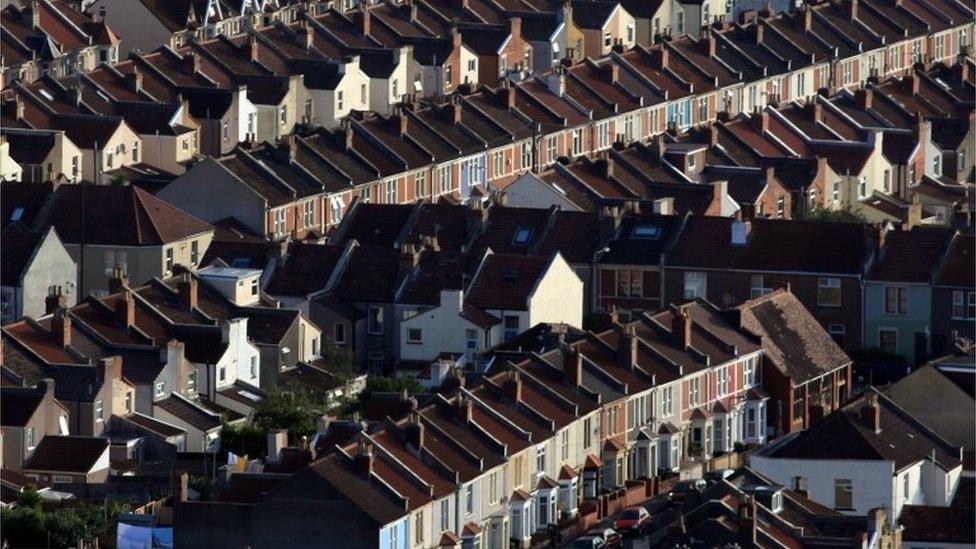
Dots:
(655, 506)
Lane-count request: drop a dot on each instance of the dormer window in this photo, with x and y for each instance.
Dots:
(17, 214)
(522, 235)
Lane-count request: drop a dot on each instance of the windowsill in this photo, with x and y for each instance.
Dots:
(843, 509)
(415, 343)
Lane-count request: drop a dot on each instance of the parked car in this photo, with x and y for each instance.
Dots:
(587, 542)
(718, 475)
(631, 520)
(680, 492)
(610, 537)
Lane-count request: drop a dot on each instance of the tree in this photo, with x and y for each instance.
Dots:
(830, 216)
(383, 384)
(244, 440)
(289, 406)
(24, 526)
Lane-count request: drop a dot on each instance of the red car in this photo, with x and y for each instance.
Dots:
(631, 520)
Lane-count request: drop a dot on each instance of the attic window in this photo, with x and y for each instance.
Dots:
(17, 214)
(646, 232)
(522, 235)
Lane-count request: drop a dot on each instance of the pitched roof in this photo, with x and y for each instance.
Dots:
(845, 435)
(193, 414)
(959, 264)
(936, 525)
(138, 218)
(772, 245)
(950, 415)
(18, 250)
(18, 404)
(910, 256)
(67, 454)
(505, 281)
(306, 269)
(791, 337)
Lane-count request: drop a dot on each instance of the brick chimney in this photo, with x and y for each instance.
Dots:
(55, 300)
(747, 523)
(681, 327)
(864, 97)
(659, 57)
(759, 32)
(187, 290)
(134, 80)
(364, 459)
(513, 386)
(349, 135)
(627, 347)
(125, 309)
(711, 45)
(61, 328)
(852, 9)
(403, 123)
(414, 431)
(797, 481)
(110, 367)
(573, 367)
(456, 111)
(764, 122)
(364, 21)
(614, 73)
(118, 281)
(509, 95)
(871, 412)
(191, 63)
(515, 26)
(807, 18)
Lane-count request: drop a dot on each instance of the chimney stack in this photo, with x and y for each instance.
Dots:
(573, 367)
(852, 9)
(125, 309)
(871, 412)
(191, 63)
(681, 327)
(796, 486)
(134, 80)
(110, 367)
(627, 347)
(61, 328)
(414, 431)
(513, 386)
(659, 57)
(364, 459)
(252, 47)
(864, 97)
(187, 290)
(807, 18)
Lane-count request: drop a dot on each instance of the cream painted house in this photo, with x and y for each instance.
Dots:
(336, 89)
(106, 142)
(9, 169)
(43, 155)
(508, 295)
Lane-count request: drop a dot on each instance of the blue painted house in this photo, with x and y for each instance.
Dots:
(898, 292)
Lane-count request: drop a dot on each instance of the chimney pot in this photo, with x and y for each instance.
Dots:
(55, 300)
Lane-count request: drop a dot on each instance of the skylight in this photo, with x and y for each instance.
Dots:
(17, 214)
(522, 235)
(649, 232)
